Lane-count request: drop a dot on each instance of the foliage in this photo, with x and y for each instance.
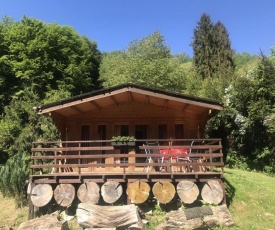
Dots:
(20, 126)
(123, 138)
(14, 175)
(39, 63)
(146, 62)
(247, 122)
(45, 57)
(213, 57)
(244, 63)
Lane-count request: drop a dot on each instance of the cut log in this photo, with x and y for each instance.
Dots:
(138, 192)
(219, 217)
(41, 194)
(120, 217)
(45, 223)
(188, 191)
(212, 192)
(164, 191)
(89, 193)
(64, 194)
(111, 191)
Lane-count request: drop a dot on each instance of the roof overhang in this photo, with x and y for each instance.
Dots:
(127, 93)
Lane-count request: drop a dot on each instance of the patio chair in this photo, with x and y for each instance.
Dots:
(153, 159)
(183, 158)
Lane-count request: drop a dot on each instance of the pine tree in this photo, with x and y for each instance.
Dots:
(213, 56)
(223, 63)
(203, 46)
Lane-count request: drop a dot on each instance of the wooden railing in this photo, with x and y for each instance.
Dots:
(100, 157)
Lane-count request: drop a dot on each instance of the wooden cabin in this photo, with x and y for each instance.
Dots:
(88, 122)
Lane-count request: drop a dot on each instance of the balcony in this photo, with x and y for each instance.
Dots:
(98, 161)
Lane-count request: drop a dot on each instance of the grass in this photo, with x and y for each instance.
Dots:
(10, 216)
(250, 198)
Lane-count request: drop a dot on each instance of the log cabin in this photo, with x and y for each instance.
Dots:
(169, 148)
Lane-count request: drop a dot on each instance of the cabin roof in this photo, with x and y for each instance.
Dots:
(124, 93)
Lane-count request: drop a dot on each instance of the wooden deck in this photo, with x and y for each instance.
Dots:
(99, 161)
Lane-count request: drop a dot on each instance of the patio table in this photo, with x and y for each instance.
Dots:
(180, 152)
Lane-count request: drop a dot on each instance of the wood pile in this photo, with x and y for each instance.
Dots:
(45, 223)
(220, 216)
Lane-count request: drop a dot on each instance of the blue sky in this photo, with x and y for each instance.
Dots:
(113, 24)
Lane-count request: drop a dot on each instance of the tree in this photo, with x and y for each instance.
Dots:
(146, 62)
(223, 54)
(38, 62)
(8, 80)
(202, 44)
(247, 121)
(49, 56)
(19, 127)
(213, 56)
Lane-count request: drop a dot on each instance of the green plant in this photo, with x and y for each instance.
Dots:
(123, 138)
(158, 210)
(205, 203)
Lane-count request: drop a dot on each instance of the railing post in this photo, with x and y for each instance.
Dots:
(32, 161)
(79, 160)
(132, 160)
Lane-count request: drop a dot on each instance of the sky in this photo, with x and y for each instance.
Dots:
(113, 24)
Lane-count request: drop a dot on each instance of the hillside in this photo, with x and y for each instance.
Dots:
(250, 197)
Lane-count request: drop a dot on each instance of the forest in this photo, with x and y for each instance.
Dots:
(42, 63)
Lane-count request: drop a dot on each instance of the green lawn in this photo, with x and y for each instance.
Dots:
(250, 198)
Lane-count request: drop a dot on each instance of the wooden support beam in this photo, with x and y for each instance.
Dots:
(95, 105)
(147, 99)
(76, 109)
(131, 98)
(185, 106)
(165, 104)
(114, 100)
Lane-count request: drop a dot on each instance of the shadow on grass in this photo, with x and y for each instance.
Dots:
(230, 192)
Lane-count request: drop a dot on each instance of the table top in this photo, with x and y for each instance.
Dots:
(174, 151)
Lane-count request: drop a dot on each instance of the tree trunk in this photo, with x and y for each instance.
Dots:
(41, 194)
(64, 194)
(212, 192)
(188, 191)
(164, 191)
(138, 192)
(89, 193)
(111, 191)
(120, 217)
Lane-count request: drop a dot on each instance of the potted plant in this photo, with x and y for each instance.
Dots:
(123, 141)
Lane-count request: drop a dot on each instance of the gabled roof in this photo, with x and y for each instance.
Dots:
(126, 93)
